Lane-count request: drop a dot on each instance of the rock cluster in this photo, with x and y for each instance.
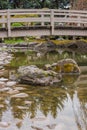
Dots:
(5, 58)
(50, 76)
(6, 84)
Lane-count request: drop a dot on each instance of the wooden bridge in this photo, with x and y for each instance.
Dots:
(39, 22)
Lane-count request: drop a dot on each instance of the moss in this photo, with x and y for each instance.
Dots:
(13, 40)
(61, 41)
(67, 68)
(57, 68)
(83, 40)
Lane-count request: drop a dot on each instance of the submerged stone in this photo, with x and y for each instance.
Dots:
(20, 95)
(3, 79)
(13, 92)
(4, 124)
(1, 106)
(1, 67)
(4, 89)
(10, 83)
(5, 58)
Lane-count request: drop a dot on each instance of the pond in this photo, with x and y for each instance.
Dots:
(61, 107)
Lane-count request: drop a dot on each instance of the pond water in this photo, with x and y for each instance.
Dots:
(61, 107)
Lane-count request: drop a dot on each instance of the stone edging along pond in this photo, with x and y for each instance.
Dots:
(75, 45)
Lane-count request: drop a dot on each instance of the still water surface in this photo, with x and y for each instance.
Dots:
(61, 107)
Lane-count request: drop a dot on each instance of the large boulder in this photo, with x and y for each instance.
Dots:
(45, 47)
(35, 76)
(64, 66)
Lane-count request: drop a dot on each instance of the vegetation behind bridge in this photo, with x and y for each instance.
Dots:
(52, 4)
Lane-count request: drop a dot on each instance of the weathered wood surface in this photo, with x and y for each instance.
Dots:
(37, 22)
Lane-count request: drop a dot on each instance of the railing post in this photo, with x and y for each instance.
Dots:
(3, 24)
(42, 17)
(8, 23)
(79, 21)
(52, 21)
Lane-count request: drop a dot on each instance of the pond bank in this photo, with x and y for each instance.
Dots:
(49, 45)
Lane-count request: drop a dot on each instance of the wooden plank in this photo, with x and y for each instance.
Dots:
(38, 19)
(29, 13)
(70, 20)
(8, 23)
(70, 15)
(71, 11)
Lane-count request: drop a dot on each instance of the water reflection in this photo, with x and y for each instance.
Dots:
(30, 58)
(63, 107)
(46, 106)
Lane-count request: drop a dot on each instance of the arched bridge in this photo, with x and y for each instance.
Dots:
(39, 22)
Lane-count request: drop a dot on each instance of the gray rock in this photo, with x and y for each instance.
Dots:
(1, 106)
(2, 85)
(35, 76)
(45, 47)
(1, 67)
(4, 124)
(4, 89)
(20, 95)
(3, 79)
(10, 83)
(13, 92)
(5, 58)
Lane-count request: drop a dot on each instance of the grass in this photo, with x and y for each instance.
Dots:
(17, 24)
(23, 40)
(43, 40)
(14, 40)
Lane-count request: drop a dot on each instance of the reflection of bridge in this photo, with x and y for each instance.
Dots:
(37, 22)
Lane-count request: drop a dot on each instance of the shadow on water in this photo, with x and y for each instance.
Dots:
(60, 107)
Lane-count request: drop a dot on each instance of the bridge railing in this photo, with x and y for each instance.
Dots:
(40, 17)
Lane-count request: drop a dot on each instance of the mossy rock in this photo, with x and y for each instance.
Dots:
(65, 66)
